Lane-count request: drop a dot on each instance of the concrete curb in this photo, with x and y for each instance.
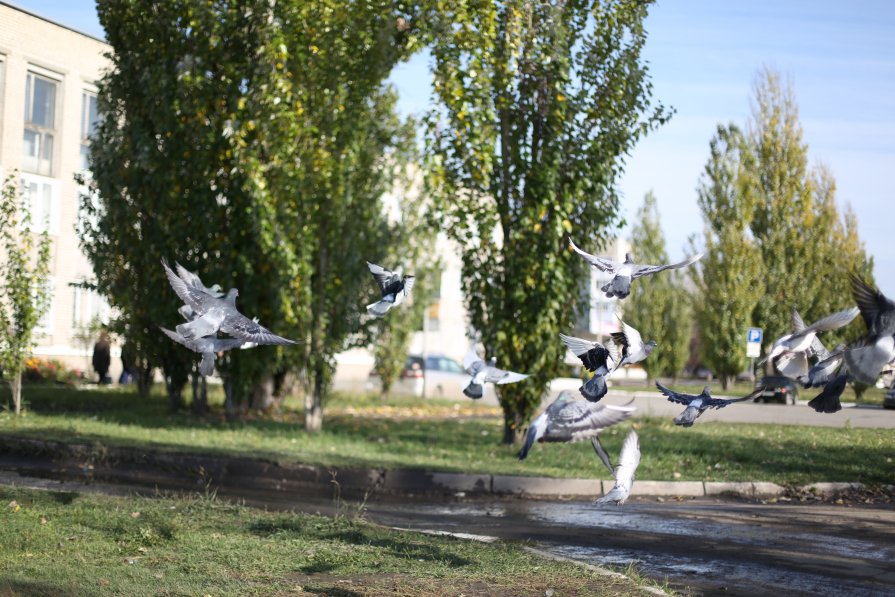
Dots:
(195, 471)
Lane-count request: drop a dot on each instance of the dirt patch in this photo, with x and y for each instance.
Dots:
(376, 585)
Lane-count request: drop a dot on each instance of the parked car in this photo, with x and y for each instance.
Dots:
(776, 388)
(439, 376)
(889, 399)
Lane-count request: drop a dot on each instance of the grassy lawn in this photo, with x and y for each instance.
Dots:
(870, 396)
(54, 543)
(365, 431)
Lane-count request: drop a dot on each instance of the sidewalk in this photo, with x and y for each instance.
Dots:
(172, 470)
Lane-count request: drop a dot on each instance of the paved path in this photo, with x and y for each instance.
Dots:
(655, 405)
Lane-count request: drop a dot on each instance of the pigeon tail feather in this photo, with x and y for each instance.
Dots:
(828, 400)
(379, 308)
(474, 390)
(206, 366)
(529, 441)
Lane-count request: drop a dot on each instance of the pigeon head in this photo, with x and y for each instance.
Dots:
(232, 294)
(705, 391)
(650, 346)
(629, 258)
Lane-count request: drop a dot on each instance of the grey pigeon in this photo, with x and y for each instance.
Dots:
(194, 281)
(208, 347)
(570, 420)
(217, 314)
(825, 369)
(633, 350)
(394, 288)
(698, 404)
(482, 373)
(624, 273)
(624, 473)
(866, 359)
(790, 352)
(596, 358)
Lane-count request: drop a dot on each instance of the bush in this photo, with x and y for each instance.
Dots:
(49, 371)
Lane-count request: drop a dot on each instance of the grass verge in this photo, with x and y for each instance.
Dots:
(366, 432)
(54, 543)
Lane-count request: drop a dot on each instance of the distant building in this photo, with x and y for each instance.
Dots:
(48, 75)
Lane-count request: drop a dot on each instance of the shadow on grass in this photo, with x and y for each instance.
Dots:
(29, 588)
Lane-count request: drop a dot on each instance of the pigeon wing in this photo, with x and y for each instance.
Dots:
(629, 459)
(722, 402)
(674, 396)
(192, 296)
(602, 454)
(580, 417)
(646, 270)
(578, 346)
(408, 284)
(384, 278)
(870, 300)
(628, 338)
(798, 324)
(470, 360)
(604, 265)
(501, 377)
(834, 321)
(237, 324)
(224, 344)
(191, 344)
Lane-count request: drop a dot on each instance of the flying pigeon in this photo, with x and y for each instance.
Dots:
(217, 314)
(628, 461)
(569, 420)
(624, 273)
(632, 346)
(208, 347)
(194, 281)
(825, 369)
(394, 287)
(596, 358)
(866, 359)
(482, 373)
(828, 400)
(698, 404)
(791, 352)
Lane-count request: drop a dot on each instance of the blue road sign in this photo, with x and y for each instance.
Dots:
(754, 335)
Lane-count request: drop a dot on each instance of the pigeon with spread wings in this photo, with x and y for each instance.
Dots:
(627, 271)
(482, 373)
(624, 473)
(393, 286)
(571, 420)
(633, 349)
(596, 358)
(699, 403)
(217, 314)
(866, 358)
(790, 353)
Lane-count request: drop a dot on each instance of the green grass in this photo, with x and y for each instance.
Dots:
(395, 434)
(63, 543)
(871, 395)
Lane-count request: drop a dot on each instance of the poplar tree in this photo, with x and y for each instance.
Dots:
(537, 104)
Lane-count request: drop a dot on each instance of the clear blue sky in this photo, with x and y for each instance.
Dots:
(703, 55)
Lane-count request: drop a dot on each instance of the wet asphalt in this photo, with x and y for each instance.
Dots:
(699, 547)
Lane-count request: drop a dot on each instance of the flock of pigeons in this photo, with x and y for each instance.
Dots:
(208, 311)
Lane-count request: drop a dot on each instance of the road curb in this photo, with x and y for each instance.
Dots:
(175, 470)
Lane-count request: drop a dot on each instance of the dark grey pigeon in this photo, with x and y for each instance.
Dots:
(217, 314)
(208, 347)
(866, 358)
(828, 400)
(698, 404)
(571, 420)
(194, 280)
(825, 369)
(394, 287)
(596, 358)
(624, 473)
(627, 271)
(633, 349)
(482, 373)
(790, 352)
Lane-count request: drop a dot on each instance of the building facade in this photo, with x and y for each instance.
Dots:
(48, 108)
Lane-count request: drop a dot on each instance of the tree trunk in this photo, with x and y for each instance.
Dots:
(725, 381)
(200, 395)
(230, 410)
(17, 393)
(314, 403)
(512, 428)
(263, 398)
(144, 380)
(175, 395)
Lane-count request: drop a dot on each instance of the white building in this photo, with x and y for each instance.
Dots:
(48, 75)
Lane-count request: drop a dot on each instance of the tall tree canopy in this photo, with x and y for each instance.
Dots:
(658, 305)
(537, 105)
(248, 141)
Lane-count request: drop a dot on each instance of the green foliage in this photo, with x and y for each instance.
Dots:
(729, 278)
(659, 305)
(537, 105)
(24, 296)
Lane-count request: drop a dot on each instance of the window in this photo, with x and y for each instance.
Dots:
(40, 124)
(45, 325)
(89, 120)
(42, 196)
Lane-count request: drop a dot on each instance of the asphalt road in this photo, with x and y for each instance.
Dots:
(655, 405)
(699, 547)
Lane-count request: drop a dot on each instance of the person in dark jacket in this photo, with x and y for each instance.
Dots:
(102, 357)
